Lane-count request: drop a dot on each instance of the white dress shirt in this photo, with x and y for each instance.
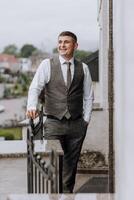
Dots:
(42, 77)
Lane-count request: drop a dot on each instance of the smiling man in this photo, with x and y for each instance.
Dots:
(68, 102)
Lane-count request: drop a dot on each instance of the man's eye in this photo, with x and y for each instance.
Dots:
(67, 42)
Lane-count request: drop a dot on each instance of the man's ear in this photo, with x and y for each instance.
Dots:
(76, 46)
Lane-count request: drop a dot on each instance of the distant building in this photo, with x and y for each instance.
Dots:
(25, 64)
(8, 63)
(36, 59)
(93, 63)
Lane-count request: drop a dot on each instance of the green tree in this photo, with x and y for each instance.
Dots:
(27, 50)
(55, 50)
(79, 54)
(24, 80)
(11, 49)
(82, 54)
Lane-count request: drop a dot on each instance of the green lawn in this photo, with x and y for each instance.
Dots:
(11, 133)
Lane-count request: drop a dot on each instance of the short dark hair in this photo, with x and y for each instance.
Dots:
(68, 33)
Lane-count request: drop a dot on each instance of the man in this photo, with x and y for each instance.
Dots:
(68, 102)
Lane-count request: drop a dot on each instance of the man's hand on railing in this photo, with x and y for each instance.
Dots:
(32, 114)
(36, 124)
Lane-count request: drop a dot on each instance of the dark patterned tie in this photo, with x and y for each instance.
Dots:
(67, 114)
(68, 74)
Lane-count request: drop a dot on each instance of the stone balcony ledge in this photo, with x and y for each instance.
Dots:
(61, 197)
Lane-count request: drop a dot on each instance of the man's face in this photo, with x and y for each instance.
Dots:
(66, 46)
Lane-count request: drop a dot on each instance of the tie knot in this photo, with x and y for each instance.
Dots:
(67, 63)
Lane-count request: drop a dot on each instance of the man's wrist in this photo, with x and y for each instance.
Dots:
(86, 123)
(86, 120)
(31, 108)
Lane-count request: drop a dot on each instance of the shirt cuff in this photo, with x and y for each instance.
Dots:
(31, 108)
(87, 118)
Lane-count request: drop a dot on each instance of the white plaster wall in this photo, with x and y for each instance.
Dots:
(97, 133)
(96, 88)
(103, 53)
(124, 97)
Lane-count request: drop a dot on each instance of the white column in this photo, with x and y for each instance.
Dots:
(124, 97)
(103, 52)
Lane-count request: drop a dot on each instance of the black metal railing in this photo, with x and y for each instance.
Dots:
(43, 175)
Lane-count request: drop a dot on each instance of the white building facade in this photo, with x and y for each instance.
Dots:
(123, 133)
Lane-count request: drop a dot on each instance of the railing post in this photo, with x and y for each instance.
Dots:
(29, 163)
(60, 173)
(43, 180)
(39, 174)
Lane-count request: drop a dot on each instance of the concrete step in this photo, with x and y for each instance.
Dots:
(95, 184)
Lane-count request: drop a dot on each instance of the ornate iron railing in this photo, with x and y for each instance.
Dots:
(43, 175)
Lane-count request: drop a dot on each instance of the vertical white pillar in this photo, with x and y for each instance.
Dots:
(124, 98)
(103, 52)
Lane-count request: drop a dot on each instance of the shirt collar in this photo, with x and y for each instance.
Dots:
(62, 60)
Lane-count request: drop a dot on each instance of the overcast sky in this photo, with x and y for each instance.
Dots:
(40, 21)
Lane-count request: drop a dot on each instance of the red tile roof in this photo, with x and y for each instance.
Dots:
(8, 58)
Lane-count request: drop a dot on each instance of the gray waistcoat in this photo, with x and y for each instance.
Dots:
(58, 98)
